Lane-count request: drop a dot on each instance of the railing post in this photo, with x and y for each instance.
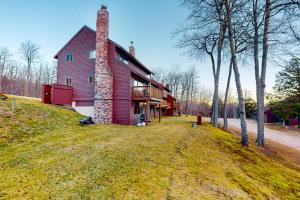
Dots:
(149, 89)
(147, 112)
(159, 113)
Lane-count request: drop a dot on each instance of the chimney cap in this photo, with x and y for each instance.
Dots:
(131, 44)
(103, 7)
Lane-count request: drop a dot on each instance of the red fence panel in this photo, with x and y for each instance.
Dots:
(62, 94)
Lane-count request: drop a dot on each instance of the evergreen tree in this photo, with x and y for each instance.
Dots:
(288, 79)
(288, 91)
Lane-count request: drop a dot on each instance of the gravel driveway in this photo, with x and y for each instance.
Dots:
(292, 141)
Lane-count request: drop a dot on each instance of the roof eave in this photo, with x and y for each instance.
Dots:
(84, 27)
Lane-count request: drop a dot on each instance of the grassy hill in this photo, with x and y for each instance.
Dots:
(44, 153)
(31, 117)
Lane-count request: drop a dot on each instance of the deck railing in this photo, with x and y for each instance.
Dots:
(142, 92)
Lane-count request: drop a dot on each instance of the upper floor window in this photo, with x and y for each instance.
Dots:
(92, 54)
(91, 80)
(69, 81)
(123, 59)
(69, 57)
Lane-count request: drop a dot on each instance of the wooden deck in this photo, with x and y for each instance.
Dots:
(141, 93)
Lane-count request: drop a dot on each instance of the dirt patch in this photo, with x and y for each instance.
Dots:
(284, 129)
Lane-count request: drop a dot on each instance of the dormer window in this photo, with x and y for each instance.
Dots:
(69, 57)
(92, 54)
(123, 59)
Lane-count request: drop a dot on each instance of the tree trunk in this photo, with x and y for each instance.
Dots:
(0, 81)
(221, 38)
(213, 102)
(225, 124)
(237, 77)
(260, 135)
(215, 105)
(257, 68)
(1, 73)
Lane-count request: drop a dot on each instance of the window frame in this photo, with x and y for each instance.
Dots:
(66, 81)
(93, 53)
(69, 57)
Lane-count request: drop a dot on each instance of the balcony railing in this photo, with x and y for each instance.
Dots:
(144, 92)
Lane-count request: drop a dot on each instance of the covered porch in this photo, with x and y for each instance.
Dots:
(146, 110)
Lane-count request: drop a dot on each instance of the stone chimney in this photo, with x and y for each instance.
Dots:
(132, 49)
(103, 75)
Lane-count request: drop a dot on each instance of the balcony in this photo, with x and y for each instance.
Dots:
(146, 92)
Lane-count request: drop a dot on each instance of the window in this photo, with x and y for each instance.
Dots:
(92, 54)
(91, 80)
(123, 59)
(69, 57)
(69, 81)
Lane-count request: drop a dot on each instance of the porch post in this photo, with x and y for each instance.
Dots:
(159, 113)
(147, 112)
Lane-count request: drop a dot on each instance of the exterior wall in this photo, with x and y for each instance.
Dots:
(84, 110)
(171, 104)
(81, 67)
(121, 88)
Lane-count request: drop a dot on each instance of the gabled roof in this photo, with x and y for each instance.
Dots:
(132, 57)
(83, 28)
(116, 44)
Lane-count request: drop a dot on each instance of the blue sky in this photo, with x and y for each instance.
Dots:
(149, 23)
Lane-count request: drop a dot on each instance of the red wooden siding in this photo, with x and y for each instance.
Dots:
(61, 94)
(81, 67)
(121, 88)
(171, 105)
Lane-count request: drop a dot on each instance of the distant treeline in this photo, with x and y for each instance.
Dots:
(24, 72)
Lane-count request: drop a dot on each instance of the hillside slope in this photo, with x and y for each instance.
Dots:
(57, 158)
(31, 117)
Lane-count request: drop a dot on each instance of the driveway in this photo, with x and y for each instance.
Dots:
(292, 141)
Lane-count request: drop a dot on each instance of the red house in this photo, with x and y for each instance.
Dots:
(107, 82)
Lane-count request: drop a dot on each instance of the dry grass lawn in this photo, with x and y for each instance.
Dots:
(44, 153)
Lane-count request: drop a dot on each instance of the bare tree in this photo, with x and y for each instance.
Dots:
(266, 18)
(30, 54)
(4, 57)
(225, 122)
(173, 78)
(229, 15)
(12, 74)
(204, 33)
(204, 94)
(160, 75)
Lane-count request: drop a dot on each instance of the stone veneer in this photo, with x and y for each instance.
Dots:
(103, 75)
